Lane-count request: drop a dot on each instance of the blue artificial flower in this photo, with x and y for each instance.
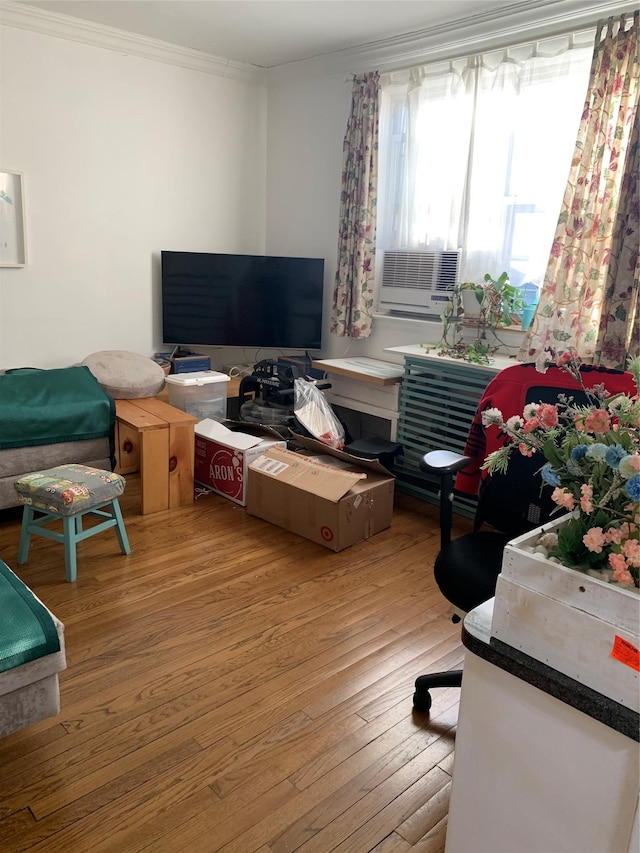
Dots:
(579, 452)
(613, 455)
(549, 475)
(632, 487)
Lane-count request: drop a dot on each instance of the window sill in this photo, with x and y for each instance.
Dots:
(429, 331)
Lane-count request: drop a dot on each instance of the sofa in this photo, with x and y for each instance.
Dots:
(32, 653)
(49, 418)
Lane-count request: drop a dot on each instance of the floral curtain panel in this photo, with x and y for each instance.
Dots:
(353, 292)
(581, 286)
(619, 333)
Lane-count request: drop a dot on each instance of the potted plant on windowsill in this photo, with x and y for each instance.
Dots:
(487, 306)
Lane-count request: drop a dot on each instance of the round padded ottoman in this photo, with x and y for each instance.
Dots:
(126, 375)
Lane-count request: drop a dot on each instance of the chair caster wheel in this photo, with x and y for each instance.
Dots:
(422, 701)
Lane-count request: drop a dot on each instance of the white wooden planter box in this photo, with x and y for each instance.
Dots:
(581, 626)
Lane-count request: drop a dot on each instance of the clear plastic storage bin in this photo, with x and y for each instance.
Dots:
(202, 393)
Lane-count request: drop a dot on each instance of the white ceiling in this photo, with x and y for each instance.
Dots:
(267, 33)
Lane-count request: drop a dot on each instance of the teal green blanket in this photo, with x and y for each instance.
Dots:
(27, 630)
(50, 406)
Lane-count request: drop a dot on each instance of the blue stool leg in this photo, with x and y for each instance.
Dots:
(25, 535)
(123, 539)
(70, 566)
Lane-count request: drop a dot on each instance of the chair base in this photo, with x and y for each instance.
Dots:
(424, 683)
(34, 521)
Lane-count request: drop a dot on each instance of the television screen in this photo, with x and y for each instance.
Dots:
(242, 300)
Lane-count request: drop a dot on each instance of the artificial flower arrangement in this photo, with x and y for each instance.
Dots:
(592, 464)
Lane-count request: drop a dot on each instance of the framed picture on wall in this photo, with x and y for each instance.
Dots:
(13, 250)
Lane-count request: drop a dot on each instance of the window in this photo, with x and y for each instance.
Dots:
(475, 154)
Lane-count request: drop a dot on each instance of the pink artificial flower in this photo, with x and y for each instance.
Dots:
(530, 425)
(578, 422)
(627, 529)
(598, 421)
(621, 573)
(593, 540)
(631, 550)
(525, 450)
(586, 492)
(613, 536)
(630, 465)
(562, 497)
(564, 358)
(548, 415)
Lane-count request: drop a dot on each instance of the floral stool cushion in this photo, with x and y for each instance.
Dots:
(69, 489)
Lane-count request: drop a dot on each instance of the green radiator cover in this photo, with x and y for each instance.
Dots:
(438, 401)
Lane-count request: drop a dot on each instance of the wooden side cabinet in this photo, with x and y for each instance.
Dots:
(127, 448)
(158, 440)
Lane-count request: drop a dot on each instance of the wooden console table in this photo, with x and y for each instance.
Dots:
(158, 440)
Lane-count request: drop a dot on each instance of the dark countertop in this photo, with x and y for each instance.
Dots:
(476, 636)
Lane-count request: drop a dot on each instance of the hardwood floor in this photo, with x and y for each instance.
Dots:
(233, 687)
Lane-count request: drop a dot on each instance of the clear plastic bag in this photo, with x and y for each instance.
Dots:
(316, 415)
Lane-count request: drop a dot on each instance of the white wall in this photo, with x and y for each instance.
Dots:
(122, 157)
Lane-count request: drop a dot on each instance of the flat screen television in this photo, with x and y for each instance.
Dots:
(242, 300)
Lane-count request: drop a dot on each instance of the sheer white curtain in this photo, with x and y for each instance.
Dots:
(426, 125)
(474, 154)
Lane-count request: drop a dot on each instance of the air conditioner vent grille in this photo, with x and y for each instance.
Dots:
(417, 282)
(430, 270)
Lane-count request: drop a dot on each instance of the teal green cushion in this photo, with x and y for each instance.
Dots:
(68, 489)
(27, 630)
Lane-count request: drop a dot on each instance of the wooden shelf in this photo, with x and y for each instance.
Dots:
(369, 370)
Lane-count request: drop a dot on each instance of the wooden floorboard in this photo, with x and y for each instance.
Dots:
(233, 687)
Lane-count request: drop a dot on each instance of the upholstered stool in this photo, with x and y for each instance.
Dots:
(70, 492)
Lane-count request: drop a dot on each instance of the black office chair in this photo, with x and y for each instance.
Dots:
(467, 568)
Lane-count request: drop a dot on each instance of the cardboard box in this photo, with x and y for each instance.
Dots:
(328, 497)
(223, 453)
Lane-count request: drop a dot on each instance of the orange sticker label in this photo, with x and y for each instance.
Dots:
(626, 653)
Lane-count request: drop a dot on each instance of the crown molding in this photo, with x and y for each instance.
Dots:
(529, 20)
(97, 35)
(526, 20)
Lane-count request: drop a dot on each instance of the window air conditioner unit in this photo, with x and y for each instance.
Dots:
(417, 282)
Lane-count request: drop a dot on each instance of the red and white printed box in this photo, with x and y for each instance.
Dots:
(223, 454)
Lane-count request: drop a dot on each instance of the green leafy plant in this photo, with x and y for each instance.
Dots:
(498, 301)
